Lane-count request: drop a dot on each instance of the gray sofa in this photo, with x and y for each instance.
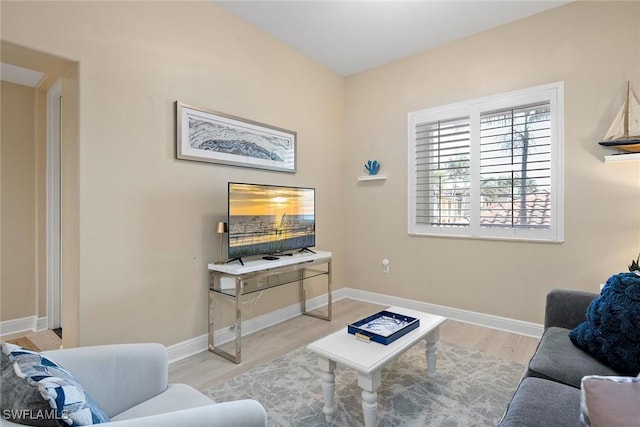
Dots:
(549, 393)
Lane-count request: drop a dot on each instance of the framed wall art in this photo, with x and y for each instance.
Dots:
(209, 136)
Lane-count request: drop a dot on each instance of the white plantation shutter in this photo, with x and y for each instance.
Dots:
(515, 167)
(442, 172)
(489, 168)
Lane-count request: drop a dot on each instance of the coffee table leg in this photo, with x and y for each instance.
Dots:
(369, 384)
(328, 386)
(432, 352)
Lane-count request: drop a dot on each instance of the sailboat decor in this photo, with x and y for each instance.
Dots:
(624, 133)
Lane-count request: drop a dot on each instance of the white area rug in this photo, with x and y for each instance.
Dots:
(470, 389)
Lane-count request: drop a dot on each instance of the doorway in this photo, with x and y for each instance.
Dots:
(56, 259)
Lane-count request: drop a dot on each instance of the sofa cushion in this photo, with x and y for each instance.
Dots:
(610, 401)
(56, 387)
(611, 332)
(559, 360)
(542, 403)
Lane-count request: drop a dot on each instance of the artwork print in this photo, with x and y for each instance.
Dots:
(209, 136)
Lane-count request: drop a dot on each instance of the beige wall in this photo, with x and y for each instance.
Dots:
(19, 232)
(70, 207)
(145, 224)
(591, 46)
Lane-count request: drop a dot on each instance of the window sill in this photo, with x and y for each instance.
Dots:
(489, 238)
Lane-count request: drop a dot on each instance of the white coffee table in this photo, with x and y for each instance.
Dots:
(368, 359)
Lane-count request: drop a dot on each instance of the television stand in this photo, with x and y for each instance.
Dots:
(239, 259)
(303, 250)
(231, 282)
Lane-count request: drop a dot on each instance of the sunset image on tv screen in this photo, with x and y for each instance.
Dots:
(267, 219)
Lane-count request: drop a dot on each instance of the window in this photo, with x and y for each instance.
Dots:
(489, 168)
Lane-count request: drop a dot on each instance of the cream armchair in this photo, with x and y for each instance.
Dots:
(129, 382)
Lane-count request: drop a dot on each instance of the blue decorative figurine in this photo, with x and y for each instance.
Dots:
(373, 167)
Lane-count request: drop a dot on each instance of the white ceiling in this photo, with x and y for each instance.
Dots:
(351, 36)
(18, 75)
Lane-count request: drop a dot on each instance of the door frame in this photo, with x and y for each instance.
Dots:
(53, 239)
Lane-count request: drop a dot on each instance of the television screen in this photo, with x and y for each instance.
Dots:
(270, 219)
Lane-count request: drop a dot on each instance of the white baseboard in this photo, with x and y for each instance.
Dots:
(23, 324)
(201, 343)
(487, 320)
(42, 324)
(187, 348)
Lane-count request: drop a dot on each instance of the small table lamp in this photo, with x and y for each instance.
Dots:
(221, 229)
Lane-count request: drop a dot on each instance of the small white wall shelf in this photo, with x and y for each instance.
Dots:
(611, 158)
(372, 178)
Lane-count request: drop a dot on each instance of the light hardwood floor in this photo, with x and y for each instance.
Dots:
(205, 370)
(45, 340)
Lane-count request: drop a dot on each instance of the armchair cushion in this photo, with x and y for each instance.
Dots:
(611, 332)
(68, 400)
(238, 413)
(175, 398)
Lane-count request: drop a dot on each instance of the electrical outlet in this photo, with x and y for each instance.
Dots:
(385, 265)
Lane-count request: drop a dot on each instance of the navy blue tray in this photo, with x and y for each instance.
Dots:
(384, 327)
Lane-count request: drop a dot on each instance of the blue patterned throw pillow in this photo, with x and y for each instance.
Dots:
(611, 333)
(69, 402)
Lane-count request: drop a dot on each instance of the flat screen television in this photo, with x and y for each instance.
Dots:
(269, 219)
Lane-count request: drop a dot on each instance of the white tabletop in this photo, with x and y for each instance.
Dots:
(367, 357)
(254, 264)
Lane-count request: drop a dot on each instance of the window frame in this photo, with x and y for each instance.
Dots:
(554, 94)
